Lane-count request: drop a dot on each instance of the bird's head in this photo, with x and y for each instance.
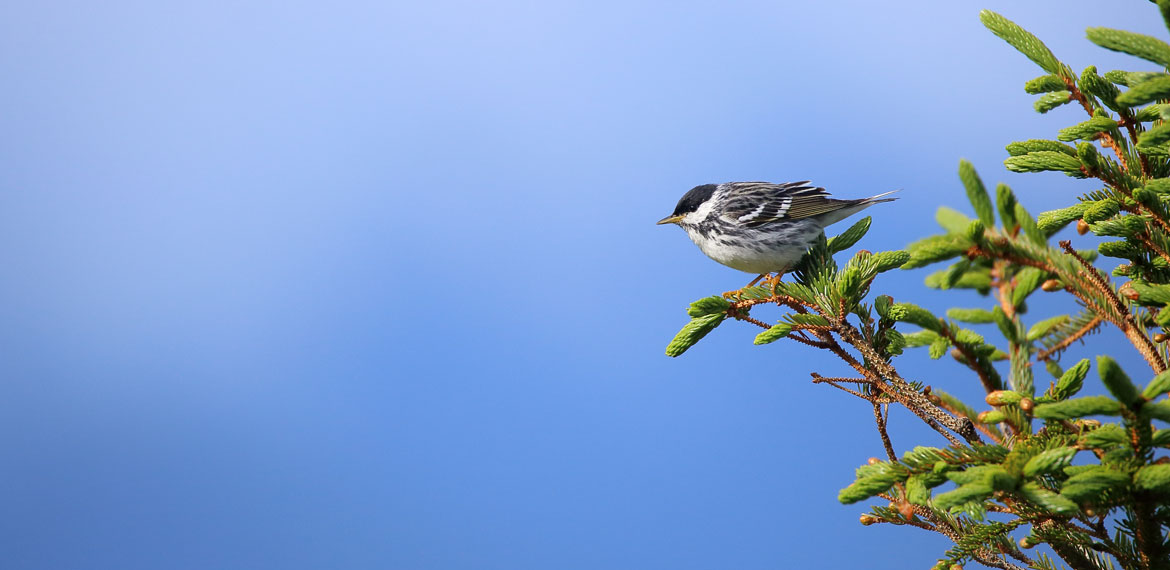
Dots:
(689, 203)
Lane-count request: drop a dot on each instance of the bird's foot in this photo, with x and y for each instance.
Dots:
(773, 281)
(733, 294)
(738, 293)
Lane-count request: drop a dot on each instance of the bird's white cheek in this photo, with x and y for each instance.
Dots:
(701, 213)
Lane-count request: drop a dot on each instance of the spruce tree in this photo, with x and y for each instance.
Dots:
(1037, 462)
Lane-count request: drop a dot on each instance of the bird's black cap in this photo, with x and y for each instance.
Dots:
(693, 199)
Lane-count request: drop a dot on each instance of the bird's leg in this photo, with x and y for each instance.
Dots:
(774, 281)
(739, 291)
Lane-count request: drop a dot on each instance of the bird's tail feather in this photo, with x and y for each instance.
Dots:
(847, 208)
(879, 197)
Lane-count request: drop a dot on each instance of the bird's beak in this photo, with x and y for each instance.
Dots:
(669, 220)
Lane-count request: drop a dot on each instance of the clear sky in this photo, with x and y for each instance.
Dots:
(377, 285)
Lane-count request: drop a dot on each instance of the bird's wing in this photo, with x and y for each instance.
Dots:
(754, 204)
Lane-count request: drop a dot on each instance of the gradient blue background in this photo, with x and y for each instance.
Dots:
(368, 285)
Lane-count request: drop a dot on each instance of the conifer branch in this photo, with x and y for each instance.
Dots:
(1107, 140)
(741, 316)
(1128, 325)
(818, 379)
(881, 426)
(836, 383)
(987, 559)
(1072, 555)
(1025, 476)
(1144, 210)
(941, 525)
(879, 373)
(1149, 536)
(981, 427)
(1066, 342)
(809, 342)
(906, 395)
(1106, 302)
(972, 361)
(1130, 125)
(1146, 240)
(1093, 276)
(904, 392)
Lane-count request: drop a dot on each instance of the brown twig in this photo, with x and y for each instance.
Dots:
(1147, 532)
(914, 400)
(1074, 527)
(1124, 320)
(1067, 341)
(1005, 301)
(1128, 122)
(881, 426)
(1101, 533)
(969, 357)
(918, 404)
(790, 302)
(1106, 138)
(1124, 189)
(942, 527)
(1141, 208)
(1071, 554)
(995, 562)
(977, 251)
(983, 428)
(912, 521)
(742, 316)
(1148, 241)
(804, 340)
(818, 379)
(1129, 326)
(833, 382)
(908, 397)
(1094, 277)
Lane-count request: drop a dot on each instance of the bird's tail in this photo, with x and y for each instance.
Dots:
(879, 198)
(846, 208)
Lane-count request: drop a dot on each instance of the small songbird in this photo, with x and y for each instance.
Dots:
(759, 227)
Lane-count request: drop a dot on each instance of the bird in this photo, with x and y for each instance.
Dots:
(760, 227)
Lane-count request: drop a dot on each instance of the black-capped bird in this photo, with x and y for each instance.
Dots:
(760, 227)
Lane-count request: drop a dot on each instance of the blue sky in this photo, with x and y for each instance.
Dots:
(377, 285)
